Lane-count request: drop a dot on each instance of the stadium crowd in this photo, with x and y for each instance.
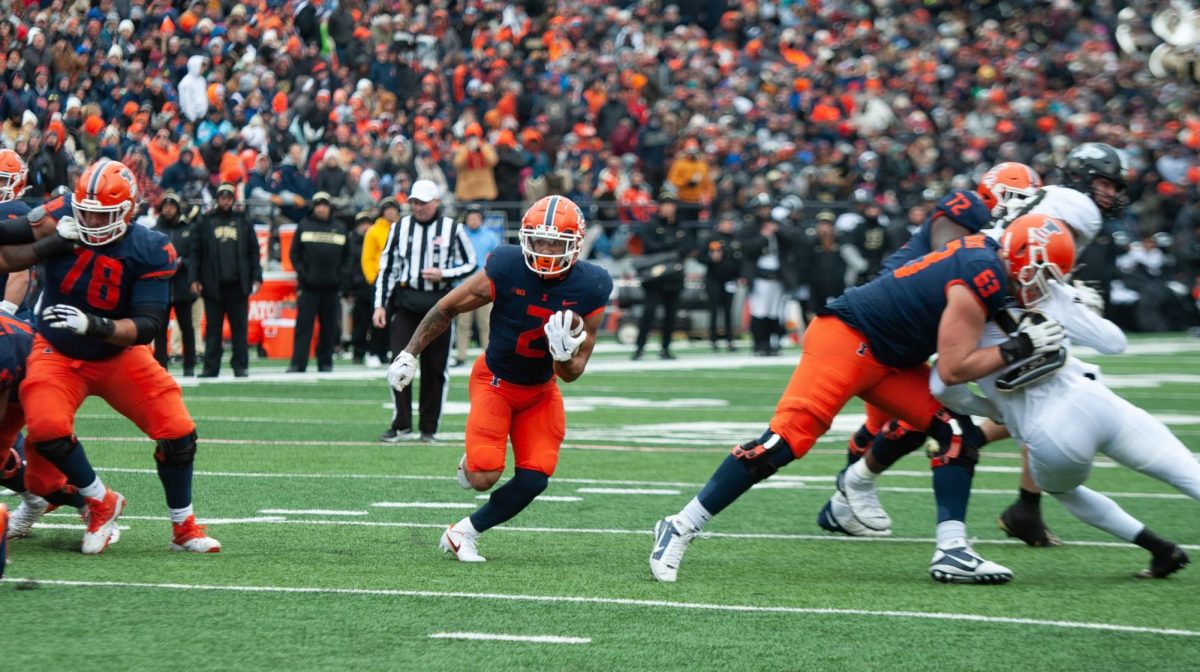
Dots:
(762, 114)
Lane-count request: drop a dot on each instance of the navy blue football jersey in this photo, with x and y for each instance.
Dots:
(16, 340)
(899, 312)
(962, 207)
(523, 301)
(109, 281)
(11, 210)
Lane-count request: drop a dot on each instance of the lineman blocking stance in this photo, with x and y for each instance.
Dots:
(540, 291)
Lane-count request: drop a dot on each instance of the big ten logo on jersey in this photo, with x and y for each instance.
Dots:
(921, 263)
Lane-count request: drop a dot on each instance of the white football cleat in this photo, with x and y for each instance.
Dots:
(837, 517)
(101, 519)
(670, 542)
(461, 474)
(958, 563)
(192, 537)
(373, 362)
(5, 492)
(29, 512)
(461, 544)
(864, 503)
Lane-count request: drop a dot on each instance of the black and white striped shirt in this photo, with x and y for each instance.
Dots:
(412, 247)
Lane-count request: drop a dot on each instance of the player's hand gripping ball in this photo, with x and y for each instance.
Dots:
(564, 332)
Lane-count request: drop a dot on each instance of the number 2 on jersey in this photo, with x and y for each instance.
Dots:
(526, 337)
(104, 288)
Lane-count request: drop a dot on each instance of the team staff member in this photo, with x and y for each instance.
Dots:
(179, 229)
(425, 254)
(389, 213)
(225, 272)
(320, 255)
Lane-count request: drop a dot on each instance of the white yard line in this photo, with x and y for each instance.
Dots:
(646, 532)
(490, 637)
(542, 498)
(626, 491)
(784, 481)
(624, 602)
(313, 512)
(423, 505)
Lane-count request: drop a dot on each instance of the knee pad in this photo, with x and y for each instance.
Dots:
(10, 463)
(953, 439)
(895, 441)
(56, 449)
(763, 456)
(176, 452)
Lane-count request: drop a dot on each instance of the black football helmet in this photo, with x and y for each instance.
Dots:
(1096, 159)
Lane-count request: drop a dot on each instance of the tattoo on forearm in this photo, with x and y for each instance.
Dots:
(432, 325)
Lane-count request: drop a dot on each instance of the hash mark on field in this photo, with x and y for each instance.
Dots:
(626, 491)
(423, 505)
(536, 639)
(541, 498)
(623, 602)
(314, 512)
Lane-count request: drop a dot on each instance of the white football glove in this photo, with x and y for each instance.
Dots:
(68, 228)
(1045, 336)
(402, 370)
(1089, 297)
(9, 307)
(70, 318)
(564, 339)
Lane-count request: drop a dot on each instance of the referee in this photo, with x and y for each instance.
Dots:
(425, 254)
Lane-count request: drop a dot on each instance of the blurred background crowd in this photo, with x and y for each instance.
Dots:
(834, 122)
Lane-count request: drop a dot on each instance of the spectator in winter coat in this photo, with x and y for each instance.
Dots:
(475, 160)
(193, 91)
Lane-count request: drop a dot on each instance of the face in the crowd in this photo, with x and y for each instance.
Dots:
(169, 210)
(474, 220)
(667, 209)
(225, 201)
(725, 225)
(391, 213)
(423, 210)
(1104, 192)
(321, 210)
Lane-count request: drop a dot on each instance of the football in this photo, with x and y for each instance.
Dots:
(576, 321)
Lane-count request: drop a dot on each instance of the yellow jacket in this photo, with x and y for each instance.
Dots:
(373, 244)
(693, 180)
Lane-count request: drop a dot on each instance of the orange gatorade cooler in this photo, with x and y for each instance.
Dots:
(263, 233)
(278, 336)
(278, 289)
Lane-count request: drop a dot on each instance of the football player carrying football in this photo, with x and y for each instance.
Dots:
(539, 290)
(104, 302)
(874, 343)
(1032, 397)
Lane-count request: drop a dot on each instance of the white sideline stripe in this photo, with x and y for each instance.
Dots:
(536, 639)
(65, 526)
(542, 498)
(643, 532)
(624, 602)
(600, 481)
(626, 491)
(314, 512)
(423, 505)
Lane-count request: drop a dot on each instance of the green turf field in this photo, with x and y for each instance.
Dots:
(315, 576)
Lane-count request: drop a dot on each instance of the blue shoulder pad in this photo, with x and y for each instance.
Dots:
(966, 209)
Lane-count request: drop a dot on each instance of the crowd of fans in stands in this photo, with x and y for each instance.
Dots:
(783, 109)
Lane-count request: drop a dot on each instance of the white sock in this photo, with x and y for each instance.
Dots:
(94, 491)
(694, 515)
(180, 515)
(949, 531)
(1099, 511)
(859, 475)
(466, 527)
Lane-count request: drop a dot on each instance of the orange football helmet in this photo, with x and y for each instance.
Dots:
(551, 234)
(1038, 248)
(104, 202)
(1008, 184)
(12, 175)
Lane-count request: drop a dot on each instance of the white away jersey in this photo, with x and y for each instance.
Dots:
(1073, 207)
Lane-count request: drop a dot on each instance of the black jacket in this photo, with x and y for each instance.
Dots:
(661, 236)
(205, 265)
(320, 252)
(729, 267)
(181, 232)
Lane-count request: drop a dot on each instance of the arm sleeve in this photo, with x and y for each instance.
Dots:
(463, 252)
(387, 258)
(148, 320)
(1083, 326)
(961, 399)
(16, 231)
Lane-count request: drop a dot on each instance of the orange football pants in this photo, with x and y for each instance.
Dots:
(532, 415)
(132, 383)
(836, 365)
(41, 477)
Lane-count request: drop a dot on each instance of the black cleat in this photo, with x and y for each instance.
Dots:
(1164, 565)
(1026, 524)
